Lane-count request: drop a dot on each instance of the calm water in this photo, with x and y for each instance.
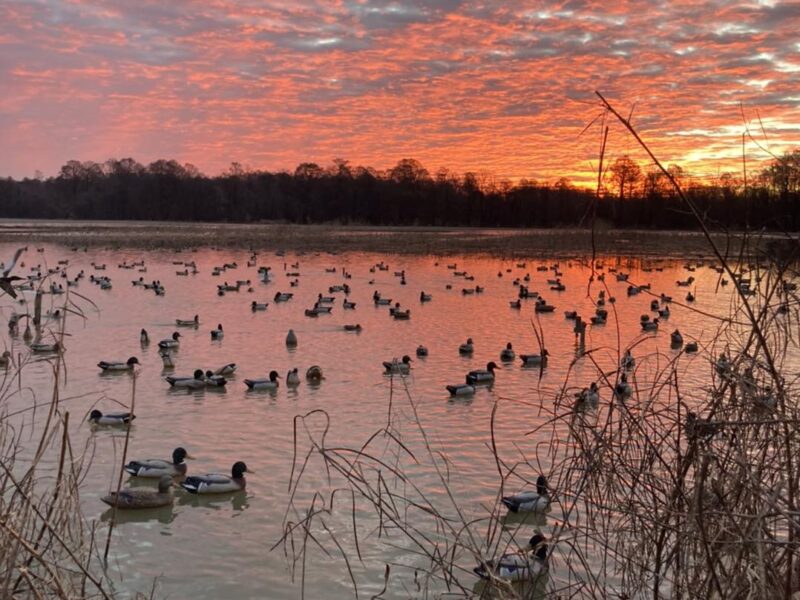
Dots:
(220, 547)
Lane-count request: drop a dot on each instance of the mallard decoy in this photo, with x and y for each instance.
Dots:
(522, 566)
(188, 322)
(212, 380)
(155, 467)
(264, 384)
(172, 342)
(628, 361)
(228, 369)
(40, 348)
(467, 347)
(395, 366)
(144, 339)
(218, 333)
(110, 419)
(532, 360)
(197, 380)
(167, 358)
(507, 354)
(292, 378)
(422, 351)
(142, 497)
(482, 375)
(464, 389)
(119, 366)
(6, 359)
(214, 483)
(537, 501)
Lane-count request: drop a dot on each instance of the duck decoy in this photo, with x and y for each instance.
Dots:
(292, 378)
(676, 339)
(214, 483)
(627, 362)
(291, 339)
(155, 467)
(691, 347)
(422, 351)
(467, 347)
(523, 566)
(531, 360)
(348, 305)
(623, 389)
(254, 306)
(218, 333)
(194, 382)
(482, 375)
(264, 384)
(111, 419)
(228, 369)
(188, 322)
(119, 366)
(395, 366)
(314, 374)
(650, 325)
(356, 327)
(6, 359)
(537, 501)
(507, 354)
(464, 389)
(212, 380)
(41, 348)
(144, 339)
(172, 342)
(142, 497)
(588, 397)
(167, 358)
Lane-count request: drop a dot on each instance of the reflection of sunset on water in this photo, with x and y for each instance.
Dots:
(220, 426)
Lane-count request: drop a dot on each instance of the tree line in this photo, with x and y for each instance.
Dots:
(407, 194)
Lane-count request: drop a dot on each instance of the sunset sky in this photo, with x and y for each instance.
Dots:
(498, 87)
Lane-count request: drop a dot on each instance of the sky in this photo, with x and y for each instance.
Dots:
(505, 89)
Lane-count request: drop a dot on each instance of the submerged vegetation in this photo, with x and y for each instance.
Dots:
(407, 194)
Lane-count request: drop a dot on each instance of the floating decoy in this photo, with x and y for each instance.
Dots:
(588, 397)
(516, 566)
(482, 375)
(228, 369)
(723, 365)
(214, 483)
(422, 351)
(627, 362)
(314, 374)
(119, 366)
(571, 314)
(194, 382)
(348, 305)
(467, 347)
(292, 378)
(690, 297)
(691, 347)
(212, 380)
(156, 467)
(530, 360)
(356, 327)
(144, 339)
(291, 339)
(264, 384)
(218, 333)
(663, 312)
(623, 389)
(111, 419)
(464, 389)
(423, 297)
(676, 339)
(166, 357)
(283, 296)
(507, 354)
(650, 325)
(170, 342)
(254, 306)
(6, 359)
(398, 366)
(515, 303)
(537, 501)
(40, 348)
(403, 315)
(188, 322)
(142, 497)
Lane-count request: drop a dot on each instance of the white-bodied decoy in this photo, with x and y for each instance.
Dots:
(395, 366)
(155, 467)
(119, 366)
(482, 375)
(228, 369)
(111, 419)
(537, 501)
(264, 384)
(214, 483)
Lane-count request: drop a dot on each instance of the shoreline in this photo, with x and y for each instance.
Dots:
(438, 241)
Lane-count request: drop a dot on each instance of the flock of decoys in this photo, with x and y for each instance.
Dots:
(523, 565)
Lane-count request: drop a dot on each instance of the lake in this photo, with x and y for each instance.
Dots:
(212, 547)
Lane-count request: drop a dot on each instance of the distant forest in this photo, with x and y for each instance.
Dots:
(406, 194)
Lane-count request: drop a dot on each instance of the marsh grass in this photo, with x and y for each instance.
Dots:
(673, 492)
